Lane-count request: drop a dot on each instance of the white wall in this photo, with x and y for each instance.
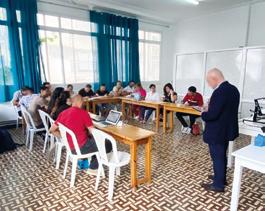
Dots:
(242, 26)
(167, 54)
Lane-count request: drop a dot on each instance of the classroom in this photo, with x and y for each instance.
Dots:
(145, 105)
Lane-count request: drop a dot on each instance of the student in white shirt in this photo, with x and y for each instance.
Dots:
(129, 89)
(27, 99)
(151, 96)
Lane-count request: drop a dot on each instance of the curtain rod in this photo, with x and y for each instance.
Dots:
(76, 6)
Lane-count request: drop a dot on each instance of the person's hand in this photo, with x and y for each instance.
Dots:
(171, 92)
(186, 103)
(205, 108)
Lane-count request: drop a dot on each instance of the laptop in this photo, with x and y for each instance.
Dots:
(112, 119)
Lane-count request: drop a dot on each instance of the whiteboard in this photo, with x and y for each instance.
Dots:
(255, 74)
(229, 62)
(190, 72)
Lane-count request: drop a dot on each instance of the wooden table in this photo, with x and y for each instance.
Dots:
(150, 104)
(133, 136)
(251, 157)
(171, 108)
(100, 100)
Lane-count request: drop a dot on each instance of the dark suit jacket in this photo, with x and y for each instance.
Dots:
(222, 116)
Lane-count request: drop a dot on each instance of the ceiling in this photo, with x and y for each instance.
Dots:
(169, 11)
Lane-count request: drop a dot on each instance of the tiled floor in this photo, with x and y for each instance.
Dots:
(29, 181)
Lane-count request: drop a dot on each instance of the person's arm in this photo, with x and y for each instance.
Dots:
(54, 129)
(215, 108)
(185, 99)
(15, 99)
(173, 96)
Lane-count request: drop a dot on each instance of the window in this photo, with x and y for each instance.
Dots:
(66, 48)
(149, 53)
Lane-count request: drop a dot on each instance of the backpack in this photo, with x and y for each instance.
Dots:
(6, 141)
(196, 129)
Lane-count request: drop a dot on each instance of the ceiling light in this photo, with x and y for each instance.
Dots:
(195, 2)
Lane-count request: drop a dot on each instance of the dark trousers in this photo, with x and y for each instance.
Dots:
(182, 120)
(148, 111)
(90, 147)
(219, 159)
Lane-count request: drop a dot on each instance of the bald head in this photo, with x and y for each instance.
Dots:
(77, 101)
(215, 77)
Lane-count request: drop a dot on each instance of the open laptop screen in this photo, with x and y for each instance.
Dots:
(113, 117)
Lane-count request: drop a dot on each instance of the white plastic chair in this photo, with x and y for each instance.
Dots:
(70, 156)
(30, 127)
(18, 118)
(114, 162)
(47, 122)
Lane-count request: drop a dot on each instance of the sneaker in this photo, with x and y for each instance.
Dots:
(186, 130)
(80, 164)
(93, 172)
(136, 117)
(85, 164)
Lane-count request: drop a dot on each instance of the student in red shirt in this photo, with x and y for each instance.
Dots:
(138, 94)
(79, 121)
(192, 98)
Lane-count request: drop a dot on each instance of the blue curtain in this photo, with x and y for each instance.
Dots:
(117, 46)
(20, 65)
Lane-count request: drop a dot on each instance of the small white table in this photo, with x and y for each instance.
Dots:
(248, 128)
(251, 157)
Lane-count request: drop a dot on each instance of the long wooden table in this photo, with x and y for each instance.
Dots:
(150, 104)
(171, 108)
(133, 136)
(99, 100)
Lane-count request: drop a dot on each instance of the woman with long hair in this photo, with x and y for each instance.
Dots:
(61, 104)
(55, 95)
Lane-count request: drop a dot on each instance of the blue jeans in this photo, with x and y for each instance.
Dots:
(148, 111)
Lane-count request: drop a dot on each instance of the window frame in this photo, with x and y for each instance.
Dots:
(160, 43)
(60, 31)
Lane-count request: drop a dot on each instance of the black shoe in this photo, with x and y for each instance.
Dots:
(210, 187)
(211, 177)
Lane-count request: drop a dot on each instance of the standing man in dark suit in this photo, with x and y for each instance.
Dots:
(221, 118)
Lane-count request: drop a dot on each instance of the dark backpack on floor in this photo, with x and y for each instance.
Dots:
(6, 141)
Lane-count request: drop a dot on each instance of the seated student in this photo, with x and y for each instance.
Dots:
(87, 91)
(129, 89)
(102, 91)
(39, 102)
(102, 108)
(80, 127)
(61, 104)
(70, 89)
(170, 96)
(192, 98)
(27, 99)
(55, 95)
(117, 90)
(151, 96)
(17, 97)
(48, 85)
(138, 94)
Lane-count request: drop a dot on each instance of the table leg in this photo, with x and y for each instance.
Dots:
(236, 186)
(94, 107)
(164, 120)
(157, 118)
(133, 150)
(230, 151)
(123, 110)
(148, 167)
(171, 121)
